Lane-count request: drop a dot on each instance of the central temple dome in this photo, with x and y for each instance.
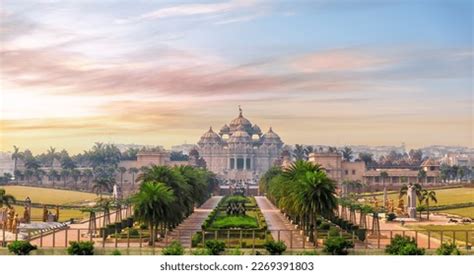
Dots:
(241, 121)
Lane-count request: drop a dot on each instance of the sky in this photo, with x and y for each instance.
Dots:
(161, 72)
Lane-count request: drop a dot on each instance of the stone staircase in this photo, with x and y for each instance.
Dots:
(184, 232)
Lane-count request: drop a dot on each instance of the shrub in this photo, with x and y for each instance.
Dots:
(175, 248)
(116, 252)
(391, 216)
(309, 253)
(235, 252)
(403, 246)
(325, 226)
(196, 239)
(448, 249)
(81, 248)
(333, 232)
(337, 246)
(275, 248)
(21, 247)
(201, 252)
(215, 247)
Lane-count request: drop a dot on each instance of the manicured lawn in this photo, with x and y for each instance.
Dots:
(445, 196)
(64, 214)
(225, 222)
(448, 231)
(464, 212)
(49, 195)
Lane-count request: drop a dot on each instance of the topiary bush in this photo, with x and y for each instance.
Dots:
(275, 247)
(391, 217)
(116, 252)
(175, 248)
(403, 246)
(448, 249)
(81, 248)
(215, 247)
(21, 247)
(336, 245)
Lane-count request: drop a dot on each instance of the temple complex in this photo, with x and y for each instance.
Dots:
(240, 151)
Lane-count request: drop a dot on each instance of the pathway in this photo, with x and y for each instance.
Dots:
(184, 232)
(279, 225)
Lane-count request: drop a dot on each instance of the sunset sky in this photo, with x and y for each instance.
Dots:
(161, 72)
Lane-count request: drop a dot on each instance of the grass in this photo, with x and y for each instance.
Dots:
(64, 214)
(464, 212)
(448, 234)
(225, 222)
(444, 196)
(49, 195)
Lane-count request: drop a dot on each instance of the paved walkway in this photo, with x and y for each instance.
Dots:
(280, 227)
(184, 232)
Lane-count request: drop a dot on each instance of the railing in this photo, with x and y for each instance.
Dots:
(254, 239)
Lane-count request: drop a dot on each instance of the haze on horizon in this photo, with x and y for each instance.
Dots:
(161, 72)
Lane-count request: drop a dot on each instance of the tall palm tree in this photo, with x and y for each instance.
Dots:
(76, 175)
(18, 174)
(151, 204)
(88, 174)
(318, 194)
(427, 196)
(53, 175)
(51, 155)
(15, 156)
(39, 174)
(65, 173)
(6, 199)
(103, 184)
(133, 171)
(122, 170)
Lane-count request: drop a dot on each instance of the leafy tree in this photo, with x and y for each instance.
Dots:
(347, 153)
(6, 199)
(152, 203)
(367, 158)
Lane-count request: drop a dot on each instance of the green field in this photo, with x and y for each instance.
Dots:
(460, 231)
(464, 212)
(49, 195)
(445, 196)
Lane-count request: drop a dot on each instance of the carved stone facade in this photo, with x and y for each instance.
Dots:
(240, 151)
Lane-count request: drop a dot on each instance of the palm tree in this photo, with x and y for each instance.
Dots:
(88, 174)
(122, 170)
(51, 155)
(6, 199)
(53, 174)
(428, 196)
(18, 174)
(75, 174)
(15, 156)
(383, 176)
(103, 184)
(65, 173)
(28, 174)
(318, 194)
(151, 205)
(347, 153)
(299, 152)
(133, 171)
(39, 174)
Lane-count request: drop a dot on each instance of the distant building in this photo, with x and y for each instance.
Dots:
(184, 148)
(240, 151)
(6, 163)
(337, 168)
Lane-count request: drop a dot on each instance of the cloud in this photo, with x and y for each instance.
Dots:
(193, 9)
